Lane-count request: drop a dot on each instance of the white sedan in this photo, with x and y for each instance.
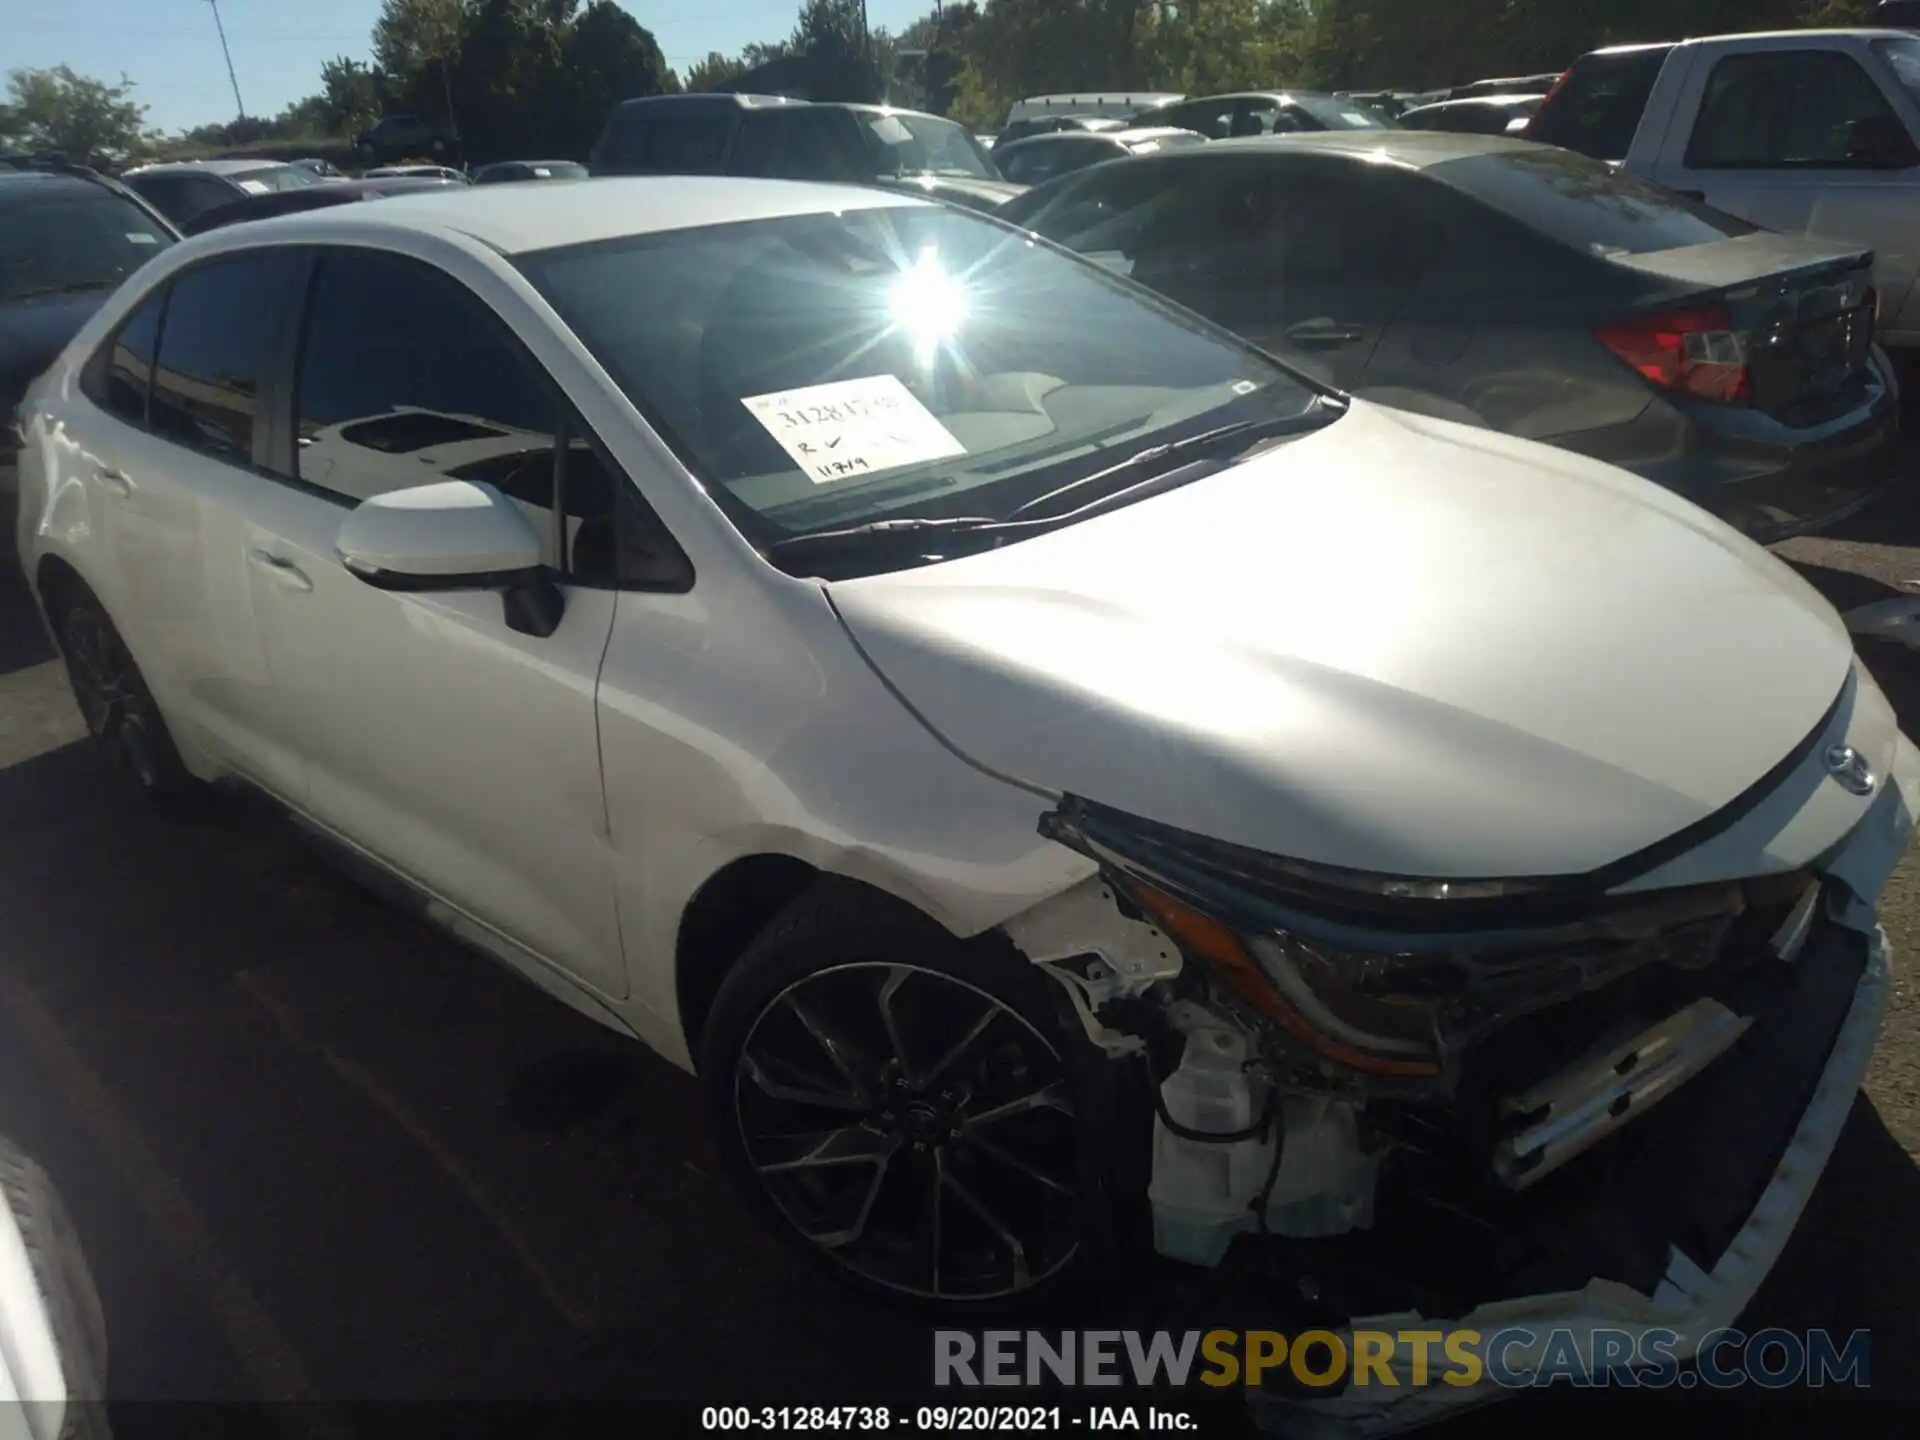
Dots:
(1045, 765)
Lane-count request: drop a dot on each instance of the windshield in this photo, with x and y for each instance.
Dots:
(90, 240)
(1903, 59)
(1342, 114)
(274, 177)
(823, 371)
(903, 143)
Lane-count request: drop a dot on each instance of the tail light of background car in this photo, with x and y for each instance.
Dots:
(1696, 351)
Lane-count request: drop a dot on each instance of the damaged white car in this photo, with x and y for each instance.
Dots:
(1058, 776)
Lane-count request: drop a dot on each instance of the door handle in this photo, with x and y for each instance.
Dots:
(116, 482)
(284, 572)
(1319, 332)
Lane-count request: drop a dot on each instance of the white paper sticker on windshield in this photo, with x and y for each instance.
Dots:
(853, 428)
(252, 187)
(1354, 117)
(141, 237)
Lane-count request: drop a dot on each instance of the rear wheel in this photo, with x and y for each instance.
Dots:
(900, 1105)
(114, 701)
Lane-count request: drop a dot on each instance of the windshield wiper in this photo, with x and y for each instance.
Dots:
(1165, 467)
(915, 529)
(1157, 462)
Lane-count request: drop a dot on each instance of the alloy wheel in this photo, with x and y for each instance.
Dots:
(112, 700)
(914, 1129)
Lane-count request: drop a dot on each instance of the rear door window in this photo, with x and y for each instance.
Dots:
(1586, 204)
(1598, 104)
(218, 345)
(1779, 109)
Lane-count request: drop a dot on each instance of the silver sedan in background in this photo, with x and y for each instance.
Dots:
(1524, 289)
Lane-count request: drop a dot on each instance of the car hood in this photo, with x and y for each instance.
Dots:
(980, 194)
(1396, 644)
(34, 332)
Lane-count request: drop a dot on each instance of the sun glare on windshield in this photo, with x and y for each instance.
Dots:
(927, 303)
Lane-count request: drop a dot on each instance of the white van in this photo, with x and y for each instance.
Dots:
(1113, 105)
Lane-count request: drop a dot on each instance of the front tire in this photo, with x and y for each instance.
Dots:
(116, 704)
(901, 1106)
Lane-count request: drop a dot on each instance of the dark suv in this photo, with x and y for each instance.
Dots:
(402, 137)
(775, 138)
(68, 237)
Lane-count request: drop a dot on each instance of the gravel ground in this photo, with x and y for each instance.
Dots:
(320, 1154)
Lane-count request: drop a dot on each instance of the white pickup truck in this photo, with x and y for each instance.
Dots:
(1808, 131)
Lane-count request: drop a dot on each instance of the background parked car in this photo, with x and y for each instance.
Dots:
(183, 190)
(772, 137)
(1280, 112)
(1507, 85)
(1484, 115)
(503, 171)
(68, 237)
(1523, 288)
(1807, 132)
(398, 136)
(1384, 102)
(1051, 124)
(1043, 157)
(317, 197)
(416, 172)
(1114, 104)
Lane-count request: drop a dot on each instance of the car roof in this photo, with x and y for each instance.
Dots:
(704, 100)
(205, 167)
(875, 109)
(44, 182)
(1468, 102)
(514, 219)
(1135, 133)
(1288, 94)
(1414, 149)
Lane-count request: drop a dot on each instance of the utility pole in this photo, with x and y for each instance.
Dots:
(239, 104)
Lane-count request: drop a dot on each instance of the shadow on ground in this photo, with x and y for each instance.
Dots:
(23, 640)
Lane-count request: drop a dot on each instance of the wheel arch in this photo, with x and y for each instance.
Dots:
(55, 579)
(740, 899)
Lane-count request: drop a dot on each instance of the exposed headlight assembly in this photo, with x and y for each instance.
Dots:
(1380, 976)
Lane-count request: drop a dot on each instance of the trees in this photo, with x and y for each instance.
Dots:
(514, 77)
(832, 35)
(716, 69)
(350, 96)
(86, 119)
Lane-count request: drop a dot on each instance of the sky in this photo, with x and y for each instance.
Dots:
(171, 50)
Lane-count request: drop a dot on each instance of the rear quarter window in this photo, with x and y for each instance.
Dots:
(1597, 107)
(1585, 204)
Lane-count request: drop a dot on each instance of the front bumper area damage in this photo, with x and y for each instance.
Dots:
(1404, 1109)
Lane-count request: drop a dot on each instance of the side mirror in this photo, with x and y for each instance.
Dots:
(453, 535)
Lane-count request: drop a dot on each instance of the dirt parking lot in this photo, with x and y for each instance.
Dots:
(320, 1154)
